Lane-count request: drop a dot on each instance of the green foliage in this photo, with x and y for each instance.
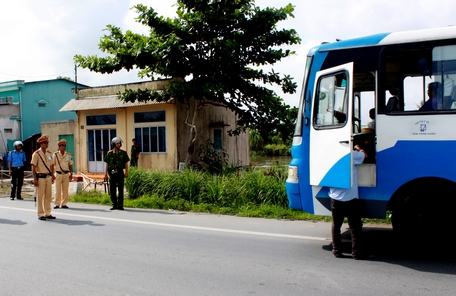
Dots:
(215, 160)
(226, 190)
(276, 150)
(91, 197)
(256, 141)
(213, 51)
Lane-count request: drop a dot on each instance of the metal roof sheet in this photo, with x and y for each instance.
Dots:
(104, 102)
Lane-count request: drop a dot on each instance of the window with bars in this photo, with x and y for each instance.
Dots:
(151, 139)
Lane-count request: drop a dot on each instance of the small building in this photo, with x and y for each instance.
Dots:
(158, 127)
(24, 106)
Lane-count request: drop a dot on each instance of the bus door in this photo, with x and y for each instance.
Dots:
(331, 131)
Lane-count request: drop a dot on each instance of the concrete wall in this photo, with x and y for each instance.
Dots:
(55, 129)
(209, 118)
(125, 130)
(6, 124)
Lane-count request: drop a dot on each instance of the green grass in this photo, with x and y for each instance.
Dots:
(249, 193)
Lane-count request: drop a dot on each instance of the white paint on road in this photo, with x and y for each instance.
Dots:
(256, 233)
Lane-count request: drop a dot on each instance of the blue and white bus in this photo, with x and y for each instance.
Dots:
(411, 169)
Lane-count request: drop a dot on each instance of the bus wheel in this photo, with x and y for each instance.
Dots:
(424, 210)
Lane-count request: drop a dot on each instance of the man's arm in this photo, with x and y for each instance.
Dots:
(35, 179)
(10, 163)
(126, 170)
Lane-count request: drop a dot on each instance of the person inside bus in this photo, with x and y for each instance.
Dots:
(434, 92)
(393, 101)
(372, 116)
(345, 203)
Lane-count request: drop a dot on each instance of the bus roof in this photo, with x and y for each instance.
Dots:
(390, 38)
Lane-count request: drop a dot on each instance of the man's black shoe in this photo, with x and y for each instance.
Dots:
(20, 198)
(338, 255)
(361, 256)
(121, 209)
(56, 207)
(12, 198)
(65, 207)
(113, 209)
(41, 218)
(49, 217)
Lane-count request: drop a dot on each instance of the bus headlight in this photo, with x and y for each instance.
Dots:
(292, 174)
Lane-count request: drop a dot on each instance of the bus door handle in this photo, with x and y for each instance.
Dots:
(344, 142)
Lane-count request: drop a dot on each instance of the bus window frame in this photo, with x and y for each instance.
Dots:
(382, 78)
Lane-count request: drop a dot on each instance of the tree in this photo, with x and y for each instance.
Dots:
(212, 51)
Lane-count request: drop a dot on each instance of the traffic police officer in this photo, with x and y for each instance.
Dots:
(16, 162)
(43, 177)
(116, 162)
(64, 172)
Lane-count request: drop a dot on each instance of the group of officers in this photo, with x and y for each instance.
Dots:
(48, 167)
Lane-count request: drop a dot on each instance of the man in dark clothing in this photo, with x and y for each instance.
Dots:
(116, 162)
(134, 154)
(16, 161)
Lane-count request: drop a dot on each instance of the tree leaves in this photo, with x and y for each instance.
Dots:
(211, 50)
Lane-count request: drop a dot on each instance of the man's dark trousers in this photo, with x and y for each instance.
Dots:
(116, 181)
(17, 180)
(352, 210)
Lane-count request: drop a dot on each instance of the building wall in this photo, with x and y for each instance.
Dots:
(210, 118)
(53, 94)
(155, 161)
(13, 89)
(125, 130)
(55, 130)
(10, 128)
(10, 114)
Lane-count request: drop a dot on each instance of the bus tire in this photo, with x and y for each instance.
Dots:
(424, 207)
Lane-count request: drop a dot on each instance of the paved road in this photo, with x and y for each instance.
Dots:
(89, 250)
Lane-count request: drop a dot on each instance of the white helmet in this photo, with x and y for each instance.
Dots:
(116, 140)
(18, 143)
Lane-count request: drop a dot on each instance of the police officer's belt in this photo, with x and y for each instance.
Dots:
(64, 172)
(43, 176)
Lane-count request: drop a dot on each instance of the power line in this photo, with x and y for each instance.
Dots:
(37, 76)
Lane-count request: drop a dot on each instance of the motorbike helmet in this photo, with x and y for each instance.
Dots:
(116, 140)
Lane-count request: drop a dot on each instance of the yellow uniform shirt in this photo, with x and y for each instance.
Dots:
(39, 162)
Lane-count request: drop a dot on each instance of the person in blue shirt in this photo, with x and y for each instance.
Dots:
(345, 203)
(16, 161)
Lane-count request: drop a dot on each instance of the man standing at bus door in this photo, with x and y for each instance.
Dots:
(345, 203)
(16, 162)
(43, 177)
(116, 162)
(64, 172)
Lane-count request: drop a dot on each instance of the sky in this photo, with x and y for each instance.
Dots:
(40, 38)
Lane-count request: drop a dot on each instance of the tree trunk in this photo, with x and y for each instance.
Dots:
(193, 132)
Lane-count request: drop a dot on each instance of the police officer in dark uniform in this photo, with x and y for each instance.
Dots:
(117, 169)
(16, 161)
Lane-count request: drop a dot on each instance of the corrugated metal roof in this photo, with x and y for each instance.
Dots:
(104, 102)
